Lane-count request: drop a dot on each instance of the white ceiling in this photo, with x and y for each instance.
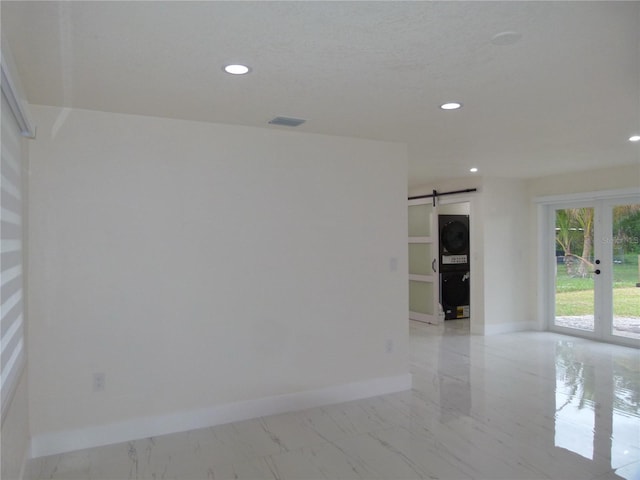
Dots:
(566, 97)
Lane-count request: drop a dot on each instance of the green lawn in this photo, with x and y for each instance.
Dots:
(626, 302)
(574, 296)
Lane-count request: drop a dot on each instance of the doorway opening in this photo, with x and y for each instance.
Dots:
(439, 261)
(454, 261)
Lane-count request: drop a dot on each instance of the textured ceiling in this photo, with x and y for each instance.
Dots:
(566, 97)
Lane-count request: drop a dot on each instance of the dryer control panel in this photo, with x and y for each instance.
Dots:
(454, 259)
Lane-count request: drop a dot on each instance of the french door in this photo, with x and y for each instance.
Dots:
(594, 287)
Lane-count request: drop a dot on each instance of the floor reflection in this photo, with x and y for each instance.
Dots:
(597, 405)
(454, 367)
(562, 407)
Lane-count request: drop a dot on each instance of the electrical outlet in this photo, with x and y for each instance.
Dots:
(388, 346)
(99, 381)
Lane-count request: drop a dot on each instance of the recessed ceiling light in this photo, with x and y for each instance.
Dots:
(451, 106)
(237, 69)
(506, 38)
(473, 169)
(634, 138)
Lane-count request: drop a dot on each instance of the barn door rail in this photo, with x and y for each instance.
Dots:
(437, 194)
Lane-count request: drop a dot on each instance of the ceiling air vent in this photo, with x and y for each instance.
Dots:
(286, 121)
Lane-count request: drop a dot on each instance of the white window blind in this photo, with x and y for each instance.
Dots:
(12, 338)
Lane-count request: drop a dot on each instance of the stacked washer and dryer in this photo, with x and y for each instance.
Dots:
(454, 265)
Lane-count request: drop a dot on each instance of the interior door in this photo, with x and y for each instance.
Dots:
(423, 263)
(596, 273)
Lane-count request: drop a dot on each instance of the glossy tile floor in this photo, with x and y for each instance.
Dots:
(515, 406)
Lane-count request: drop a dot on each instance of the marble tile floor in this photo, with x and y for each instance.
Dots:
(532, 405)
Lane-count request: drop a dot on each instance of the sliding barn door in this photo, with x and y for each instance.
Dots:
(423, 261)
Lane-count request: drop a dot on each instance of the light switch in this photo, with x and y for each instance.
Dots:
(393, 264)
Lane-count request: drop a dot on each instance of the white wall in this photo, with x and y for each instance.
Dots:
(450, 185)
(14, 440)
(200, 265)
(588, 181)
(507, 247)
(454, 209)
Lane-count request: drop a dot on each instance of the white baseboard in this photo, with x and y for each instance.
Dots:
(510, 327)
(423, 317)
(143, 427)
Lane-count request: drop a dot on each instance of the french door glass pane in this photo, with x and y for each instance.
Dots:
(574, 283)
(625, 242)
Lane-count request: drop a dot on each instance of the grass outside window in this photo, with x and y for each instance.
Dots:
(575, 296)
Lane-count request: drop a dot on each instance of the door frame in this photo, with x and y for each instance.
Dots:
(600, 201)
(442, 204)
(475, 298)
